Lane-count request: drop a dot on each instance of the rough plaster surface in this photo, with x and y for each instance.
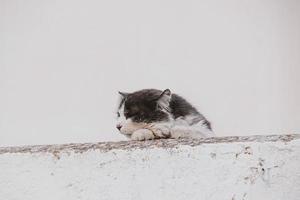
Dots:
(228, 168)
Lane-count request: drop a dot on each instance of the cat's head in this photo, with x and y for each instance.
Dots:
(142, 108)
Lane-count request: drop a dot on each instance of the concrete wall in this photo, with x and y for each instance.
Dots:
(230, 168)
(63, 61)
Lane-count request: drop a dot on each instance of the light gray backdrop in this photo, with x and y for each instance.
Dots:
(63, 61)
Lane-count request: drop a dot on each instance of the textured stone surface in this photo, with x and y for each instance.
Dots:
(130, 145)
(253, 167)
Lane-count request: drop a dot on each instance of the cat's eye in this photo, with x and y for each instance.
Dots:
(129, 114)
(118, 114)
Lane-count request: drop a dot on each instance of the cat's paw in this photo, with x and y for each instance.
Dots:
(161, 131)
(142, 134)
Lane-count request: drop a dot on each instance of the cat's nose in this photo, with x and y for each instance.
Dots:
(119, 127)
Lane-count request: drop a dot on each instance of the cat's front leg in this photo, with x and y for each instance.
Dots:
(160, 130)
(142, 134)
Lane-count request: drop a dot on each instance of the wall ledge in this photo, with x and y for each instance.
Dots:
(256, 167)
(131, 145)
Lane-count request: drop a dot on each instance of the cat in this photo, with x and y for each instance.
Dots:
(154, 114)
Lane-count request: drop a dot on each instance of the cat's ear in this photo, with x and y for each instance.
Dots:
(164, 99)
(123, 94)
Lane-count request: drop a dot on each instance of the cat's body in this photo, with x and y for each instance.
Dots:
(150, 113)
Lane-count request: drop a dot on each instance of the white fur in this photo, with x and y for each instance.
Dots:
(186, 128)
(194, 131)
(142, 134)
(160, 130)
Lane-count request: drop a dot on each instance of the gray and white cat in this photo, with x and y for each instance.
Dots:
(152, 114)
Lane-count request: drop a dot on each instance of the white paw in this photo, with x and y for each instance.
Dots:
(142, 134)
(160, 130)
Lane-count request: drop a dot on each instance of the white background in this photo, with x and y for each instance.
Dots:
(62, 63)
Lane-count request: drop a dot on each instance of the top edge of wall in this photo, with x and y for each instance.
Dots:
(131, 145)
